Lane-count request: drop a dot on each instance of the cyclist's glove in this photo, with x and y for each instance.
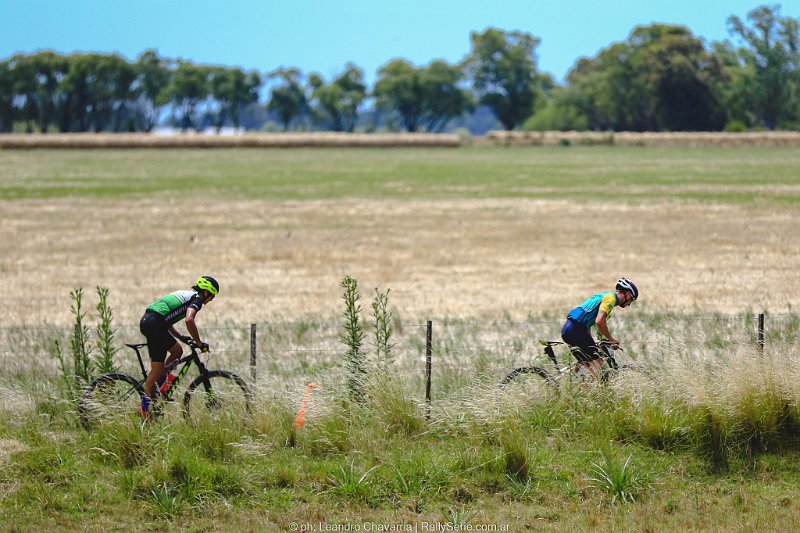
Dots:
(186, 339)
(204, 347)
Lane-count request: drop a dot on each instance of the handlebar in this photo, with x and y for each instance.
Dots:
(604, 343)
(191, 343)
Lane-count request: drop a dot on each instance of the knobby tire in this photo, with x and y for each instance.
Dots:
(230, 392)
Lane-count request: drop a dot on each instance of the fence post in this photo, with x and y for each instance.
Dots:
(761, 333)
(253, 351)
(428, 356)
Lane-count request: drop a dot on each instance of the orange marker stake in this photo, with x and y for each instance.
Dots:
(300, 419)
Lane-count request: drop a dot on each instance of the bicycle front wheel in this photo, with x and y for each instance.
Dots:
(219, 394)
(110, 398)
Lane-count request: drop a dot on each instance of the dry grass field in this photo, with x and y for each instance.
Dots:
(439, 257)
(474, 236)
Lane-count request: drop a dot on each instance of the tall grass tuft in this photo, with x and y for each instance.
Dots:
(515, 449)
(79, 342)
(106, 350)
(392, 405)
(384, 328)
(85, 362)
(353, 339)
(77, 373)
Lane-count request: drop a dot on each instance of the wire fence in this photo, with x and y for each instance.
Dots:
(435, 355)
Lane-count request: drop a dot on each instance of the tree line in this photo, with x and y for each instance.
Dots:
(661, 78)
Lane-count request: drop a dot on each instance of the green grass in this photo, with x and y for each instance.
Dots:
(558, 476)
(712, 444)
(741, 175)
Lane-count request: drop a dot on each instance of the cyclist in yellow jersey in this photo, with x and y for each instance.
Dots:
(594, 312)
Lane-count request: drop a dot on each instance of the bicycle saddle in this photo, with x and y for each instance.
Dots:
(550, 343)
(136, 345)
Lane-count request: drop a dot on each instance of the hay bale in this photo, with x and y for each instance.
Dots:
(651, 139)
(248, 140)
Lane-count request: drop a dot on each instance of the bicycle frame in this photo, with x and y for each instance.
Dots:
(606, 350)
(187, 361)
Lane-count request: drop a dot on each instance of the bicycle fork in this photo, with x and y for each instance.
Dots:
(211, 398)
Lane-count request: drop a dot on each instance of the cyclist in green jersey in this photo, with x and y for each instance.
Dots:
(594, 312)
(157, 325)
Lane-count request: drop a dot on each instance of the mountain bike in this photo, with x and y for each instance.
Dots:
(552, 377)
(116, 395)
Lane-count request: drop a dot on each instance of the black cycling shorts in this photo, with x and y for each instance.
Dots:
(159, 339)
(580, 340)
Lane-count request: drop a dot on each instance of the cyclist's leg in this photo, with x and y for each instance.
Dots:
(159, 342)
(582, 345)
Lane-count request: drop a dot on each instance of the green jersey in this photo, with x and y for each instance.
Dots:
(174, 305)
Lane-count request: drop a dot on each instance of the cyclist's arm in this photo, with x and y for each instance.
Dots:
(602, 326)
(191, 326)
(177, 334)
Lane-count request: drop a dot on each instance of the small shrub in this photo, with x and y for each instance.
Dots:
(615, 478)
(457, 517)
(735, 126)
(351, 484)
(166, 500)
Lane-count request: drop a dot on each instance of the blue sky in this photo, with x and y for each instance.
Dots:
(322, 35)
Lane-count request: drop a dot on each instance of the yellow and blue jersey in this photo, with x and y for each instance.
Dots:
(587, 312)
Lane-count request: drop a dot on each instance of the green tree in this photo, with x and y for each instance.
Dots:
(233, 90)
(444, 98)
(335, 105)
(681, 77)
(6, 97)
(738, 92)
(398, 89)
(78, 99)
(606, 91)
(112, 90)
(503, 69)
(153, 83)
(97, 91)
(287, 99)
(773, 55)
(660, 78)
(37, 79)
(189, 87)
(426, 97)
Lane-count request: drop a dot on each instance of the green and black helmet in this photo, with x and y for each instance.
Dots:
(208, 283)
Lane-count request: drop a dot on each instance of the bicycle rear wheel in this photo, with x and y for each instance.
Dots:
(217, 395)
(530, 382)
(519, 374)
(110, 398)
